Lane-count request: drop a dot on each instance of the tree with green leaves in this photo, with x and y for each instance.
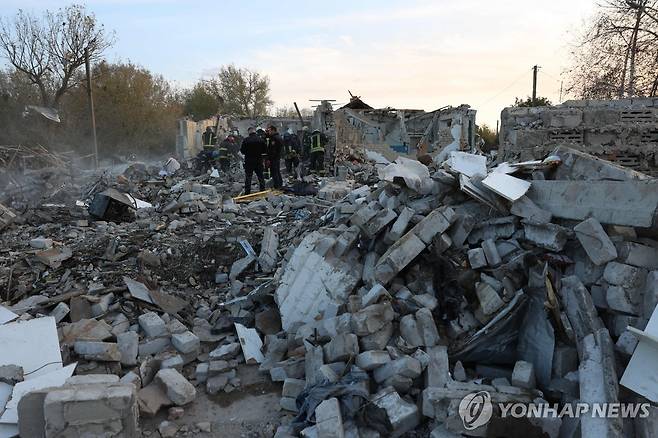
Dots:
(49, 50)
(202, 102)
(489, 136)
(136, 110)
(242, 92)
(529, 102)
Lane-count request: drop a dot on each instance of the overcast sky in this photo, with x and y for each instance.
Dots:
(412, 54)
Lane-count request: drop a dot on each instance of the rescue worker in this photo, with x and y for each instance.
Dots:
(318, 142)
(253, 148)
(274, 148)
(266, 162)
(208, 154)
(225, 152)
(292, 150)
(209, 137)
(306, 143)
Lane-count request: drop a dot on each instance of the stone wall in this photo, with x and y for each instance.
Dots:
(624, 131)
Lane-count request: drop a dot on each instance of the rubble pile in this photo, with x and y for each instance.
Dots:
(530, 281)
(141, 282)
(379, 305)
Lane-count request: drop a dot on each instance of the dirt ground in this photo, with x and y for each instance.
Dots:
(251, 411)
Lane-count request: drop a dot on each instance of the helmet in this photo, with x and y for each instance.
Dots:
(305, 128)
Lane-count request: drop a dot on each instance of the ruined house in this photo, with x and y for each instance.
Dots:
(405, 132)
(189, 142)
(622, 131)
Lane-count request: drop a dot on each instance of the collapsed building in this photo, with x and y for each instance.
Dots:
(623, 131)
(375, 307)
(405, 132)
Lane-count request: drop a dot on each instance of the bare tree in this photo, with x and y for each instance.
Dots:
(51, 49)
(617, 53)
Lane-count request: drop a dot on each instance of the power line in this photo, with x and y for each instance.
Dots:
(525, 72)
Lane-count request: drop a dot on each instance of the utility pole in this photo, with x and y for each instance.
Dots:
(561, 83)
(91, 108)
(534, 83)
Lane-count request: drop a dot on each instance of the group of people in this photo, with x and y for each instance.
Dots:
(263, 151)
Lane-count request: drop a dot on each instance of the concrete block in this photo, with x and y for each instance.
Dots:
(41, 243)
(548, 236)
(372, 319)
(523, 375)
(227, 351)
(622, 300)
(491, 253)
(402, 415)
(177, 388)
(101, 351)
(346, 240)
(595, 241)
(31, 421)
(477, 258)
(91, 410)
(314, 359)
(293, 387)
(268, 250)
(341, 348)
(60, 311)
(398, 256)
(152, 325)
(438, 369)
(623, 275)
(154, 346)
(288, 404)
(489, 299)
(400, 225)
(176, 362)
(406, 366)
(128, 344)
(131, 378)
(11, 374)
(186, 342)
(373, 295)
(369, 360)
(329, 420)
(378, 222)
(636, 254)
(626, 343)
(92, 379)
(525, 208)
(436, 222)
(377, 340)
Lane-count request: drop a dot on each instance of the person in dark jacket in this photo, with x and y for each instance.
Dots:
(253, 147)
(292, 150)
(274, 149)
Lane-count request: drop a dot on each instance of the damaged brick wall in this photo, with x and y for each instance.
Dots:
(624, 131)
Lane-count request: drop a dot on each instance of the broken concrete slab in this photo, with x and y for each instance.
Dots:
(525, 208)
(548, 236)
(312, 283)
(507, 186)
(630, 203)
(251, 344)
